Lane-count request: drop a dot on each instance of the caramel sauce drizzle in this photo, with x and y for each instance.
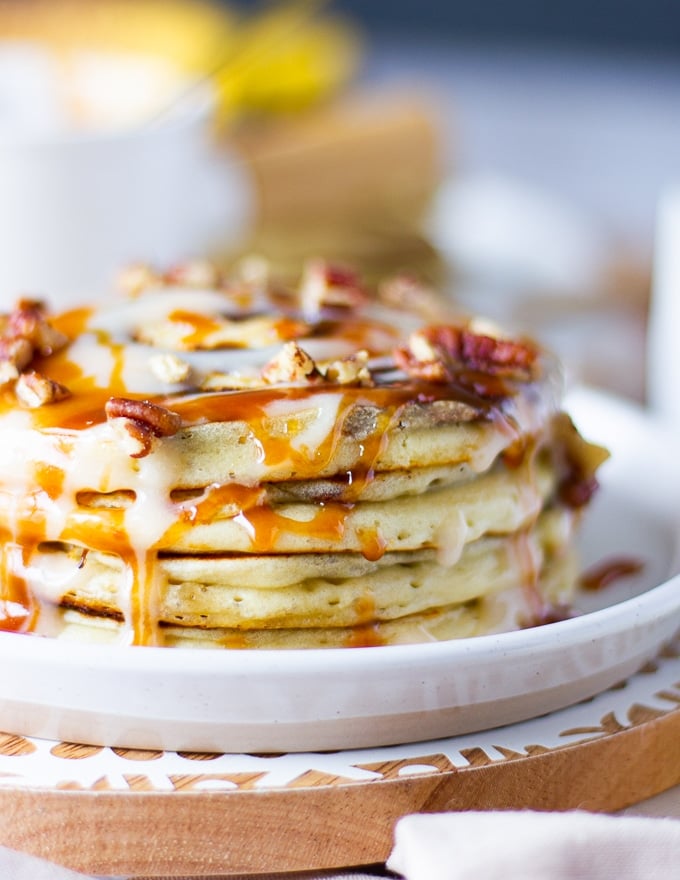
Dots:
(373, 545)
(609, 571)
(198, 326)
(73, 323)
(104, 530)
(366, 636)
(263, 523)
(19, 609)
(50, 479)
(144, 592)
(529, 574)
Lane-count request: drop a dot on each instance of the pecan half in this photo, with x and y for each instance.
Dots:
(139, 424)
(442, 353)
(136, 438)
(501, 357)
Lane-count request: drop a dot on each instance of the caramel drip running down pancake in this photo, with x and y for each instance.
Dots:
(230, 462)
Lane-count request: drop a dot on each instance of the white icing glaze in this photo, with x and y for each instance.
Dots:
(451, 538)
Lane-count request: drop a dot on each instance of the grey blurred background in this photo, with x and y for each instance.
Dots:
(651, 26)
(559, 129)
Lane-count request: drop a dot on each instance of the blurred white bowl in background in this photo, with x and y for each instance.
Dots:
(517, 236)
(82, 195)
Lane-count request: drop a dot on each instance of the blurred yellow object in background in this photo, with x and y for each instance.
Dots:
(277, 60)
(287, 59)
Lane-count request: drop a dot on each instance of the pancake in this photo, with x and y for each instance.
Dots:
(257, 466)
(497, 612)
(207, 594)
(238, 521)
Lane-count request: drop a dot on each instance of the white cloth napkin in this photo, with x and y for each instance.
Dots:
(541, 846)
(19, 866)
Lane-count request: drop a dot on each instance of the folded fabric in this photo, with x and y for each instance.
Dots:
(541, 846)
(19, 866)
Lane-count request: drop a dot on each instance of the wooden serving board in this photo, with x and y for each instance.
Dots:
(166, 814)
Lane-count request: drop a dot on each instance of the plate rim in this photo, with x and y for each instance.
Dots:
(317, 699)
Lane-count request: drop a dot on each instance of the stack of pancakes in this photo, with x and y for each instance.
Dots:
(229, 462)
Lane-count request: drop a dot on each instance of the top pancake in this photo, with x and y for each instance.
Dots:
(364, 401)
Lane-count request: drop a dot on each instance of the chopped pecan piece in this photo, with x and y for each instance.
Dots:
(422, 360)
(577, 462)
(8, 373)
(194, 273)
(409, 294)
(291, 364)
(16, 351)
(25, 333)
(422, 349)
(35, 390)
(326, 286)
(137, 278)
(140, 423)
(351, 370)
(29, 322)
(254, 270)
(169, 368)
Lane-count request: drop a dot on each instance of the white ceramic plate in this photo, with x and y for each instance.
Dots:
(282, 701)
